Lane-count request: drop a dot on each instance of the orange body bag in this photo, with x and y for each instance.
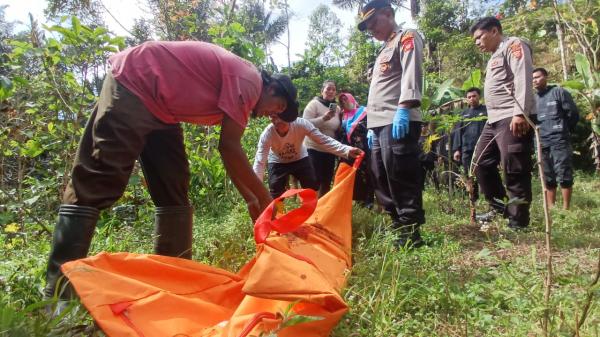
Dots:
(302, 260)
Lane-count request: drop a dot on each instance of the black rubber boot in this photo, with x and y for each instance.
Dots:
(486, 217)
(71, 241)
(174, 231)
(410, 237)
(496, 208)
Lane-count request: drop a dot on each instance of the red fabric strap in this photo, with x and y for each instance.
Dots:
(288, 222)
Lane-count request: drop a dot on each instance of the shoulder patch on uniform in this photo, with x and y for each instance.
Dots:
(516, 49)
(408, 42)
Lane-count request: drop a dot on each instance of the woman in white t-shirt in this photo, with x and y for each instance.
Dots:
(326, 116)
(281, 146)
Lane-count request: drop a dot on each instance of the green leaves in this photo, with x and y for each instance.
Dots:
(484, 254)
(586, 87)
(6, 87)
(81, 44)
(443, 92)
(595, 123)
(290, 318)
(474, 80)
(573, 85)
(32, 148)
(233, 37)
(583, 68)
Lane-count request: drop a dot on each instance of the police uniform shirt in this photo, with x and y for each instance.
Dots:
(557, 114)
(509, 67)
(397, 78)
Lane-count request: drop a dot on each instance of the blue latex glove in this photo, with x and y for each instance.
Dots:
(400, 123)
(370, 134)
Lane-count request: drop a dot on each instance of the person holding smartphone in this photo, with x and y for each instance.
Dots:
(324, 113)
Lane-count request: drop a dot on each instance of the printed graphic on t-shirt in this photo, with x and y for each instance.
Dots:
(287, 152)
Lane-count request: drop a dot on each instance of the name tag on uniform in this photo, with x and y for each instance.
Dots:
(551, 103)
(384, 60)
(496, 63)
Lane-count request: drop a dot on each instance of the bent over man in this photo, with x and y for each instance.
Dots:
(150, 89)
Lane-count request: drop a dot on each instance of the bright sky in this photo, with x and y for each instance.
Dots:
(125, 11)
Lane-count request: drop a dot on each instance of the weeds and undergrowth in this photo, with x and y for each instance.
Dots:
(463, 283)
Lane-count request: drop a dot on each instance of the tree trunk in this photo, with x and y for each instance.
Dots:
(561, 44)
(287, 19)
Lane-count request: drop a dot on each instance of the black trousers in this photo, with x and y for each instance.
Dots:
(398, 174)
(497, 145)
(324, 165)
(364, 191)
(557, 161)
(279, 174)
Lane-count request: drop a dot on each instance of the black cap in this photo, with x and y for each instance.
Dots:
(285, 83)
(367, 12)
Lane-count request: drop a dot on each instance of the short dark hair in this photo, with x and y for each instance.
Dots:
(486, 23)
(541, 70)
(283, 86)
(278, 89)
(474, 89)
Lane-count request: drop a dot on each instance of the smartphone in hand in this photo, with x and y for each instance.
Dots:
(332, 106)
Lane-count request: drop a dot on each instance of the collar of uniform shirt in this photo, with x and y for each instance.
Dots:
(504, 39)
(397, 30)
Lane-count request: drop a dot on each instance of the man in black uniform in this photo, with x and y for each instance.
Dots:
(467, 133)
(557, 117)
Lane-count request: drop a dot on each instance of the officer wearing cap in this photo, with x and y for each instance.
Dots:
(150, 89)
(557, 116)
(394, 120)
(506, 138)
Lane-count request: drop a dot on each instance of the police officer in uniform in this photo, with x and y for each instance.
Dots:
(507, 137)
(394, 120)
(557, 116)
(467, 132)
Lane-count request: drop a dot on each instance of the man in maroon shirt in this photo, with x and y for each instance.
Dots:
(149, 90)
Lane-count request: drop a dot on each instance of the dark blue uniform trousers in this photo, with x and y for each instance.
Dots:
(398, 175)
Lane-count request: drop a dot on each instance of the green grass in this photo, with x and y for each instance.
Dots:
(463, 283)
(472, 283)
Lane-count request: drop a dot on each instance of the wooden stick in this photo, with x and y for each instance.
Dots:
(547, 217)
